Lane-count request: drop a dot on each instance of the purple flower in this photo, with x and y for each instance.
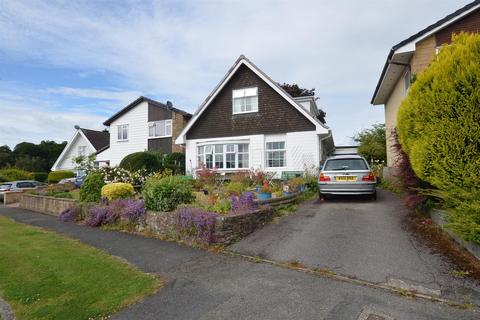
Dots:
(197, 223)
(244, 203)
(97, 216)
(68, 215)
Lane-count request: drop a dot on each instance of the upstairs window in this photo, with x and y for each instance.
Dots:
(82, 150)
(245, 100)
(162, 128)
(276, 154)
(122, 132)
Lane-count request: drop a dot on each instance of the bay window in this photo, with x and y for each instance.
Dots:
(223, 156)
(245, 100)
(162, 128)
(276, 154)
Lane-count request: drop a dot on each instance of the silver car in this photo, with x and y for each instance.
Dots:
(18, 186)
(347, 175)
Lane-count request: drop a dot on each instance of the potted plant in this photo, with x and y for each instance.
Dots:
(296, 184)
(265, 192)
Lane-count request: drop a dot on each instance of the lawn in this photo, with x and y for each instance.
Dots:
(44, 275)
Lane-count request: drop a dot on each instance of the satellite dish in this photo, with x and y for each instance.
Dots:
(169, 104)
(77, 127)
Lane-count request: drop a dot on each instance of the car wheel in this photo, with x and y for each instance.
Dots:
(322, 197)
(374, 196)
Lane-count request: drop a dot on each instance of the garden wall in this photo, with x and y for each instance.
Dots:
(43, 204)
(228, 229)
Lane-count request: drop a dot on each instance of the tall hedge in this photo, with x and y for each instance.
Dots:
(439, 123)
(151, 161)
(12, 174)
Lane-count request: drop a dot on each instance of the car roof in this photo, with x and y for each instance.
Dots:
(353, 156)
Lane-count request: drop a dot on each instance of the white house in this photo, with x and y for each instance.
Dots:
(83, 143)
(250, 122)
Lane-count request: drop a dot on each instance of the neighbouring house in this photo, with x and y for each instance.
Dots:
(144, 124)
(413, 55)
(250, 122)
(83, 143)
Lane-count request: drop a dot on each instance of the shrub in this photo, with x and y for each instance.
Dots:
(439, 121)
(235, 188)
(197, 223)
(118, 190)
(205, 176)
(63, 195)
(147, 160)
(117, 174)
(108, 213)
(176, 162)
(70, 215)
(167, 193)
(40, 176)
(242, 177)
(91, 189)
(13, 174)
(295, 183)
(56, 176)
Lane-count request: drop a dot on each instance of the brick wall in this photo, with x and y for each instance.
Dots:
(47, 205)
(424, 53)
(178, 123)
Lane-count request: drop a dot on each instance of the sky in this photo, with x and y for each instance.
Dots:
(66, 63)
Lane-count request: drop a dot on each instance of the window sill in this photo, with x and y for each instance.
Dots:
(245, 112)
(122, 140)
(159, 137)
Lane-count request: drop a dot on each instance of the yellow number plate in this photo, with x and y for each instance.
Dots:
(346, 178)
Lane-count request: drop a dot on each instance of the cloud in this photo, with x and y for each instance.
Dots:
(179, 50)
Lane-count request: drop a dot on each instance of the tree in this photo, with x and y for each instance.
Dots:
(372, 143)
(31, 157)
(295, 91)
(6, 157)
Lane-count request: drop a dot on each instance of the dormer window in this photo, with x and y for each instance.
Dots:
(245, 100)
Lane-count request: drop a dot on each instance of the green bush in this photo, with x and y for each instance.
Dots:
(56, 176)
(148, 160)
(40, 176)
(63, 195)
(91, 190)
(439, 126)
(13, 174)
(167, 193)
(117, 190)
(175, 162)
(236, 188)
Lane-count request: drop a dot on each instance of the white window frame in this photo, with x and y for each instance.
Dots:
(124, 134)
(167, 125)
(208, 150)
(243, 94)
(82, 151)
(268, 151)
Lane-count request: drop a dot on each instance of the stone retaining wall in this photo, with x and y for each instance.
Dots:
(228, 229)
(43, 204)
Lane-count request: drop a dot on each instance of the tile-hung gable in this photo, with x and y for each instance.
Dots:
(222, 116)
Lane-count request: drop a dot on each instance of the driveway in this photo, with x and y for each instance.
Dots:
(202, 285)
(360, 238)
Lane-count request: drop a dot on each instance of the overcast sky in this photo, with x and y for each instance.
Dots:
(77, 62)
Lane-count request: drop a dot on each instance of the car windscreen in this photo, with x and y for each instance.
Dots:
(345, 164)
(5, 186)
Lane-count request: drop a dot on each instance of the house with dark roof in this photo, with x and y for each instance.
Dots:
(83, 143)
(144, 124)
(410, 57)
(250, 122)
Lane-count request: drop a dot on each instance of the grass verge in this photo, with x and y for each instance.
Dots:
(44, 275)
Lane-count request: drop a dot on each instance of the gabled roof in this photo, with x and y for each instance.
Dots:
(242, 60)
(409, 43)
(137, 102)
(98, 139)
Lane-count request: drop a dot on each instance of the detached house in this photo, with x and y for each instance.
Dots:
(413, 55)
(83, 143)
(249, 121)
(144, 124)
